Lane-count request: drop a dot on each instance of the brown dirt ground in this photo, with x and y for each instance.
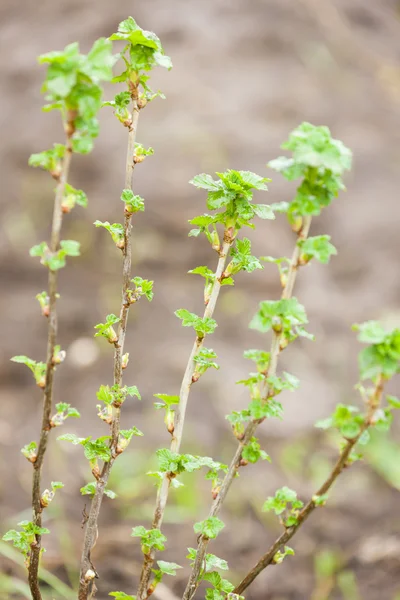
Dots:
(245, 73)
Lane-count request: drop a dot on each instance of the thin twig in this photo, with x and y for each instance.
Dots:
(251, 428)
(88, 572)
(162, 495)
(48, 390)
(341, 463)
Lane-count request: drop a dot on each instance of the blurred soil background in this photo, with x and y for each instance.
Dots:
(246, 72)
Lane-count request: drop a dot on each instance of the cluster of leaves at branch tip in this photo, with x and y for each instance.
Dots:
(320, 161)
(380, 359)
(141, 53)
(72, 85)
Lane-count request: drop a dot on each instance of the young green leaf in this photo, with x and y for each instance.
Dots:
(209, 528)
(318, 247)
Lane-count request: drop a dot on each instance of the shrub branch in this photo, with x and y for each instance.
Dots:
(48, 390)
(162, 495)
(251, 428)
(87, 571)
(341, 463)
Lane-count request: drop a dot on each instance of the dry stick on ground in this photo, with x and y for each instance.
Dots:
(341, 463)
(48, 390)
(87, 572)
(163, 490)
(203, 540)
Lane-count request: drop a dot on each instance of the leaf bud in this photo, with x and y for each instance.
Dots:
(297, 224)
(125, 360)
(90, 575)
(276, 324)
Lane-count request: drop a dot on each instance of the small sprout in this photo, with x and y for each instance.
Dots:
(209, 528)
(242, 259)
(143, 287)
(24, 539)
(120, 104)
(38, 369)
(90, 574)
(125, 360)
(64, 411)
(116, 230)
(285, 317)
(133, 203)
(30, 451)
(55, 261)
(49, 160)
(106, 329)
(58, 355)
(125, 437)
(90, 489)
(318, 247)
(252, 452)
(281, 554)
(204, 361)
(320, 500)
(260, 357)
(166, 404)
(141, 153)
(149, 538)
(44, 300)
(202, 326)
(48, 495)
(72, 197)
(284, 501)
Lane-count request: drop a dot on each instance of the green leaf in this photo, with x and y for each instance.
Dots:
(72, 196)
(167, 399)
(150, 538)
(106, 329)
(370, 332)
(382, 357)
(318, 247)
(105, 395)
(252, 452)
(90, 489)
(242, 259)
(143, 287)
(202, 326)
(122, 596)
(132, 202)
(284, 498)
(264, 211)
(204, 361)
(260, 357)
(56, 485)
(209, 528)
(286, 316)
(168, 568)
(393, 401)
(346, 419)
(116, 231)
(49, 160)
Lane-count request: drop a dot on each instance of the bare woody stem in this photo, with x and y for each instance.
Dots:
(87, 570)
(34, 558)
(251, 428)
(162, 495)
(341, 463)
